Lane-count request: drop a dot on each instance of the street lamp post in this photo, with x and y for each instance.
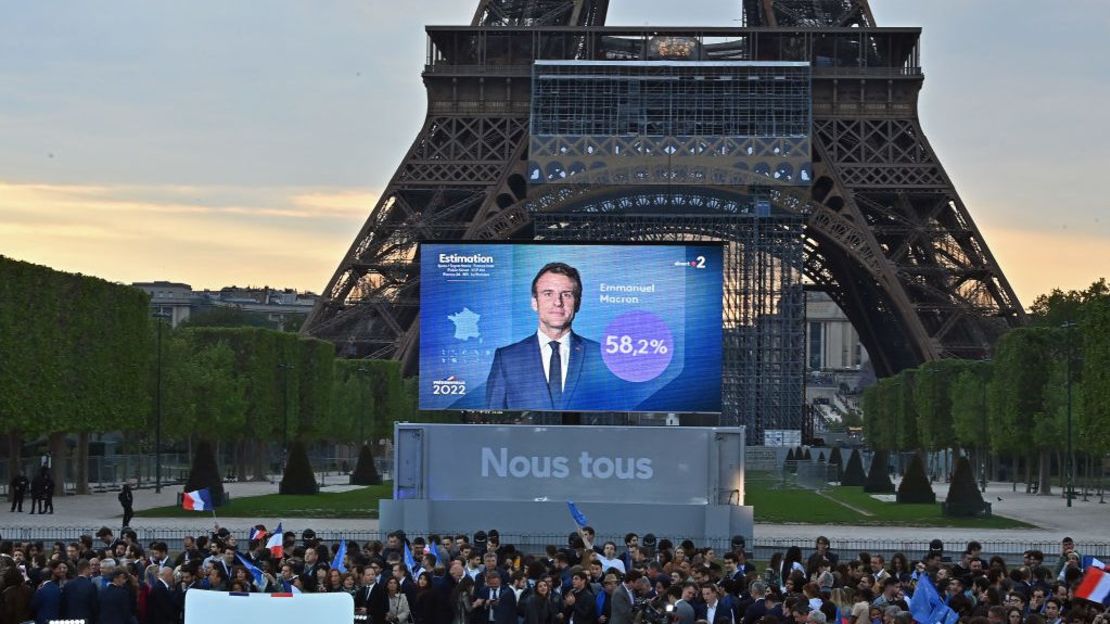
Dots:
(1070, 463)
(158, 318)
(983, 432)
(285, 368)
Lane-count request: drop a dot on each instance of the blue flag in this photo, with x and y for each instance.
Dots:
(435, 554)
(926, 605)
(410, 563)
(579, 519)
(340, 553)
(253, 569)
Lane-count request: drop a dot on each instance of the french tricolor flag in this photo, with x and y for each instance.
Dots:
(276, 544)
(199, 500)
(258, 533)
(1095, 586)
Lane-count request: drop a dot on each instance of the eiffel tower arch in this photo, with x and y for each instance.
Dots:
(882, 228)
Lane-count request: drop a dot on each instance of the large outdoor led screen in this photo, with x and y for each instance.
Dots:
(635, 327)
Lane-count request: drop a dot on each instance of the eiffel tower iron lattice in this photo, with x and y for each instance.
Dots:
(885, 232)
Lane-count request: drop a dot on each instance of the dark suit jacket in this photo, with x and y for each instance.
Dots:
(80, 600)
(161, 605)
(723, 614)
(47, 602)
(504, 612)
(115, 605)
(375, 601)
(620, 609)
(584, 609)
(516, 379)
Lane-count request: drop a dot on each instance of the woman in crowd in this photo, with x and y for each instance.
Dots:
(540, 607)
(399, 612)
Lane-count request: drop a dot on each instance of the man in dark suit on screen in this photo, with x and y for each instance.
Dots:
(555, 368)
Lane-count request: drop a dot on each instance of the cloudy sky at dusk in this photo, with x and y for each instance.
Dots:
(245, 142)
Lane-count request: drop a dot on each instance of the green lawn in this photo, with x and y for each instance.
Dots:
(776, 503)
(360, 503)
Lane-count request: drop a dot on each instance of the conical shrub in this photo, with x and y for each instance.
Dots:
(805, 455)
(366, 473)
(915, 486)
(205, 473)
(878, 475)
(821, 457)
(964, 498)
(853, 472)
(298, 477)
(834, 457)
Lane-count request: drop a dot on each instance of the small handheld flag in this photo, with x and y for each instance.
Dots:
(579, 519)
(340, 553)
(410, 563)
(276, 544)
(257, 533)
(198, 500)
(1089, 561)
(253, 569)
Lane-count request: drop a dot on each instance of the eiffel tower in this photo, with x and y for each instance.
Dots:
(882, 228)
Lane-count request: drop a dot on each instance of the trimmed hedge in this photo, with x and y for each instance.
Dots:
(853, 472)
(964, 498)
(878, 475)
(205, 473)
(805, 455)
(915, 486)
(834, 457)
(366, 473)
(298, 477)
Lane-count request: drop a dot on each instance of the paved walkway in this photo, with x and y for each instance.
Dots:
(1086, 521)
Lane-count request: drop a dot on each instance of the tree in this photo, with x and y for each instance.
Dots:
(1093, 423)
(915, 486)
(968, 396)
(366, 473)
(963, 495)
(933, 403)
(1016, 391)
(853, 472)
(878, 476)
(205, 473)
(298, 477)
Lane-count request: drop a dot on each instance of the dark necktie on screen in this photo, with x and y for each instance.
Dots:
(555, 375)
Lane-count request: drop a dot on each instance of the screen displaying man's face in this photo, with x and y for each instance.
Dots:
(554, 301)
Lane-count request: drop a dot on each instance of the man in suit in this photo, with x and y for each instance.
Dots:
(46, 604)
(623, 599)
(79, 596)
(371, 599)
(555, 368)
(713, 609)
(162, 604)
(495, 604)
(116, 606)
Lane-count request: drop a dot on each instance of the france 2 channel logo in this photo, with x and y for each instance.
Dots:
(696, 263)
(449, 386)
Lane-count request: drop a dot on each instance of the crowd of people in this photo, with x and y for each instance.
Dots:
(476, 579)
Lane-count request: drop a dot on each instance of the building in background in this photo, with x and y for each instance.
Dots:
(837, 366)
(282, 309)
